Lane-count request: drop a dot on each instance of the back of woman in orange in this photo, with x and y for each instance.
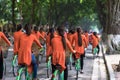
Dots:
(25, 56)
(59, 44)
(87, 37)
(43, 33)
(17, 36)
(37, 33)
(95, 41)
(48, 42)
(80, 42)
(70, 37)
(2, 36)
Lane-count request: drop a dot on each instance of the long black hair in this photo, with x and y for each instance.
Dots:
(27, 29)
(35, 29)
(79, 37)
(19, 27)
(95, 34)
(51, 32)
(61, 33)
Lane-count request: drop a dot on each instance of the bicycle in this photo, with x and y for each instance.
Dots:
(49, 69)
(15, 66)
(77, 67)
(57, 75)
(23, 73)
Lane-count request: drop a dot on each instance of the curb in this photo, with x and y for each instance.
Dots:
(110, 72)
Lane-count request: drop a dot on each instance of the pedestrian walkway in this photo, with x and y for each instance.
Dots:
(112, 60)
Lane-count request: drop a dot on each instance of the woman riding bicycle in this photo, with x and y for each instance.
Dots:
(35, 47)
(50, 35)
(2, 36)
(17, 36)
(80, 43)
(59, 44)
(95, 42)
(25, 56)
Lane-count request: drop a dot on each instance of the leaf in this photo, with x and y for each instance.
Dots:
(81, 1)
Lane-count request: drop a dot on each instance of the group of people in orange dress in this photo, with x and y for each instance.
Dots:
(57, 41)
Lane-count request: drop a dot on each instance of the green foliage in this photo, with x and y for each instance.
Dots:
(75, 12)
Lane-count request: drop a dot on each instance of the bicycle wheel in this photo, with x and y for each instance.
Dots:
(49, 69)
(4, 68)
(76, 74)
(71, 61)
(48, 72)
(15, 67)
(77, 67)
(23, 76)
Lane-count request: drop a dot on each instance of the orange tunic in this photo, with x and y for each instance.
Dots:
(70, 38)
(87, 38)
(24, 52)
(95, 41)
(48, 46)
(79, 49)
(16, 40)
(43, 34)
(58, 52)
(2, 36)
(38, 35)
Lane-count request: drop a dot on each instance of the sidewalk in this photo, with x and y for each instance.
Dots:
(111, 60)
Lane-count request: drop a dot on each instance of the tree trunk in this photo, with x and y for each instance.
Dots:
(114, 17)
(13, 15)
(113, 22)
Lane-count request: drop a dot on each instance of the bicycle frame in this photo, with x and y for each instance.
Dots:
(27, 75)
(77, 64)
(49, 62)
(14, 60)
(95, 50)
(48, 66)
(77, 67)
(14, 65)
(61, 75)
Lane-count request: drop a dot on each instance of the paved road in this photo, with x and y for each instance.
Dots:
(94, 69)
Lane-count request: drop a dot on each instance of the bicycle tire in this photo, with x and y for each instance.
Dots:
(48, 73)
(70, 66)
(70, 61)
(14, 70)
(4, 69)
(49, 69)
(76, 74)
(23, 76)
(15, 66)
